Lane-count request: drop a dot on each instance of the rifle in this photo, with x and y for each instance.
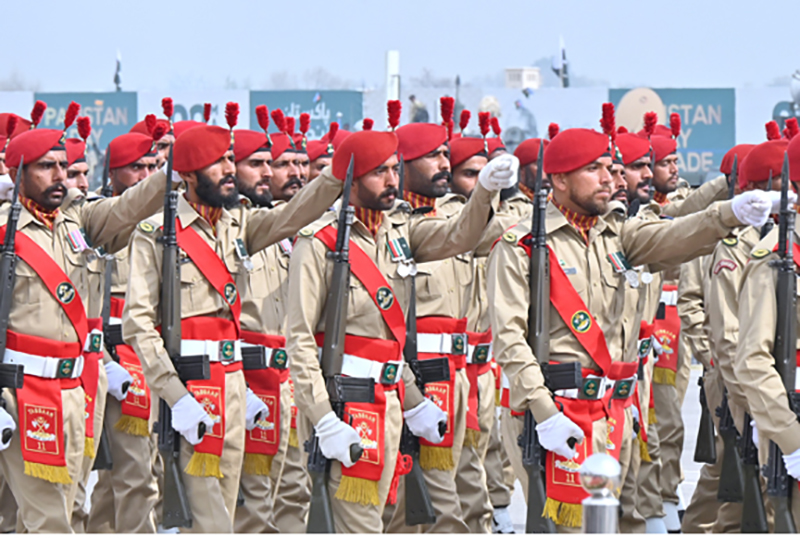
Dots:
(706, 449)
(340, 389)
(754, 517)
(11, 375)
(107, 190)
(769, 225)
(177, 512)
(731, 480)
(779, 483)
(733, 179)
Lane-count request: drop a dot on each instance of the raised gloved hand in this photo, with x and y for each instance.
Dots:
(336, 438)
(775, 198)
(425, 421)
(754, 207)
(256, 410)
(187, 415)
(119, 380)
(556, 431)
(6, 188)
(500, 173)
(7, 429)
(637, 421)
(792, 462)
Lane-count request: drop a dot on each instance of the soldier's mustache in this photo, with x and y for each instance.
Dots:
(391, 191)
(57, 188)
(442, 175)
(294, 182)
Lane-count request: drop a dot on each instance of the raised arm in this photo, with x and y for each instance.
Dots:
(692, 311)
(699, 199)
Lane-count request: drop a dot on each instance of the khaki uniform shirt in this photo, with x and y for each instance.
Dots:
(605, 292)
(257, 228)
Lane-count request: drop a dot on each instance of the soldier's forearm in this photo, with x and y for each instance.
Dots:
(708, 193)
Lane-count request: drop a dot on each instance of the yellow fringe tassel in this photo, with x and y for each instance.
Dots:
(663, 376)
(257, 464)
(471, 438)
(498, 396)
(564, 514)
(436, 457)
(358, 490)
(293, 442)
(202, 464)
(133, 426)
(88, 447)
(651, 416)
(643, 452)
(50, 473)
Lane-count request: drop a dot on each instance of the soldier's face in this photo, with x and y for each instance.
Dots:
(378, 189)
(316, 167)
(527, 176)
(303, 163)
(253, 175)
(465, 175)
(637, 176)
(162, 148)
(286, 179)
(76, 177)
(45, 180)
(762, 185)
(497, 153)
(665, 174)
(587, 190)
(127, 176)
(3, 167)
(215, 185)
(619, 185)
(429, 175)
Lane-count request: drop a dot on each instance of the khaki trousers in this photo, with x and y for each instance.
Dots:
(499, 473)
(293, 492)
(670, 434)
(648, 492)
(44, 506)
(631, 521)
(8, 508)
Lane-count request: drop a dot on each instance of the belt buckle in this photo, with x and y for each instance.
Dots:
(389, 373)
(480, 355)
(592, 388)
(623, 388)
(227, 350)
(458, 346)
(279, 360)
(95, 342)
(65, 368)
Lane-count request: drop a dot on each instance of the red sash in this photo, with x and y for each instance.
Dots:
(668, 332)
(473, 372)
(135, 408)
(39, 400)
(92, 356)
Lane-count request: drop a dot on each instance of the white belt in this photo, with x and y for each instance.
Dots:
(599, 390)
(268, 351)
(669, 298)
(115, 321)
(47, 367)
(438, 342)
(387, 373)
(471, 353)
(212, 348)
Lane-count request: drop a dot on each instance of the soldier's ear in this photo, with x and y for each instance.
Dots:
(559, 182)
(189, 177)
(13, 173)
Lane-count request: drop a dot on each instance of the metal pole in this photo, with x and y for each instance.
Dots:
(600, 477)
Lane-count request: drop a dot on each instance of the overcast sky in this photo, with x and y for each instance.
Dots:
(71, 46)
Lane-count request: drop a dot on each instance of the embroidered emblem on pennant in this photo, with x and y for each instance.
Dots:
(581, 321)
(230, 293)
(65, 292)
(384, 298)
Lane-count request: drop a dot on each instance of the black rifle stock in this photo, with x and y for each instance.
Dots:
(731, 480)
(779, 482)
(769, 225)
(107, 190)
(705, 451)
(754, 516)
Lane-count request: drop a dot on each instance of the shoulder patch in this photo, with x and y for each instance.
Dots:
(759, 253)
(510, 237)
(730, 265)
(730, 241)
(146, 227)
(306, 232)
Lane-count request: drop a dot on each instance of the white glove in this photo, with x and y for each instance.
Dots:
(775, 198)
(6, 424)
(335, 438)
(6, 188)
(256, 410)
(636, 419)
(424, 419)
(176, 177)
(556, 431)
(752, 207)
(500, 173)
(119, 380)
(187, 414)
(792, 462)
(755, 433)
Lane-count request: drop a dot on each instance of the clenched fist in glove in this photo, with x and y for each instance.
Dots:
(792, 462)
(187, 415)
(335, 438)
(7, 428)
(424, 421)
(555, 432)
(119, 380)
(500, 173)
(256, 410)
(754, 207)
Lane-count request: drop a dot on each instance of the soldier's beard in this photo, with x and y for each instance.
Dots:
(259, 200)
(588, 203)
(211, 193)
(381, 202)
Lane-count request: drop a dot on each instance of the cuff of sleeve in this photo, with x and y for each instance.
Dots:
(789, 439)
(173, 391)
(726, 215)
(317, 411)
(413, 397)
(720, 188)
(543, 409)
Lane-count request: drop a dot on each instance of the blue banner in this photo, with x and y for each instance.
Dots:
(343, 106)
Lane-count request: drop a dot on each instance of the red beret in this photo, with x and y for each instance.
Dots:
(794, 159)
(199, 147)
(632, 147)
(180, 127)
(297, 138)
(76, 151)
(129, 148)
(317, 149)
(22, 124)
(573, 149)
(528, 151)
(32, 144)
(280, 143)
(660, 130)
(465, 148)
(740, 151)
(140, 127)
(246, 142)
(418, 139)
(370, 148)
(764, 157)
(494, 144)
(662, 146)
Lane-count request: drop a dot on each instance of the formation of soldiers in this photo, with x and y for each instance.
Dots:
(245, 331)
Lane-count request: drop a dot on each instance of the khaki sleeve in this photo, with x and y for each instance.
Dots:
(699, 199)
(106, 220)
(691, 310)
(141, 316)
(754, 365)
(507, 286)
(666, 243)
(268, 226)
(413, 396)
(434, 238)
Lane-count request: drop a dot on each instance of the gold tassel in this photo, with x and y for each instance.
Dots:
(293, 442)
(471, 438)
(50, 473)
(133, 426)
(644, 454)
(651, 416)
(358, 490)
(88, 447)
(564, 514)
(436, 457)
(498, 397)
(663, 376)
(203, 464)
(257, 464)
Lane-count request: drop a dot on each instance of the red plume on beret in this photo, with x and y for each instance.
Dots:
(496, 127)
(332, 130)
(11, 125)
(36, 114)
(450, 128)
(773, 131)
(168, 107)
(305, 122)
(621, 129)
(279, 120)
(159, 131)
(463, 121)
(290, 125)
(552, 130)
(484, 118)
(650, 121)
(394, 107)
(72, 113)
(447, 106)
(262, 113)
(791, 129)
(150, 123)
(207, 112)
(367, 124)
(84, 127)
(608, 122)
(675, 124)
(232, 114)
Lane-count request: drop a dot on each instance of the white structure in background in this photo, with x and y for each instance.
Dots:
(794, 87)
(392, 78)
(522, 78)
